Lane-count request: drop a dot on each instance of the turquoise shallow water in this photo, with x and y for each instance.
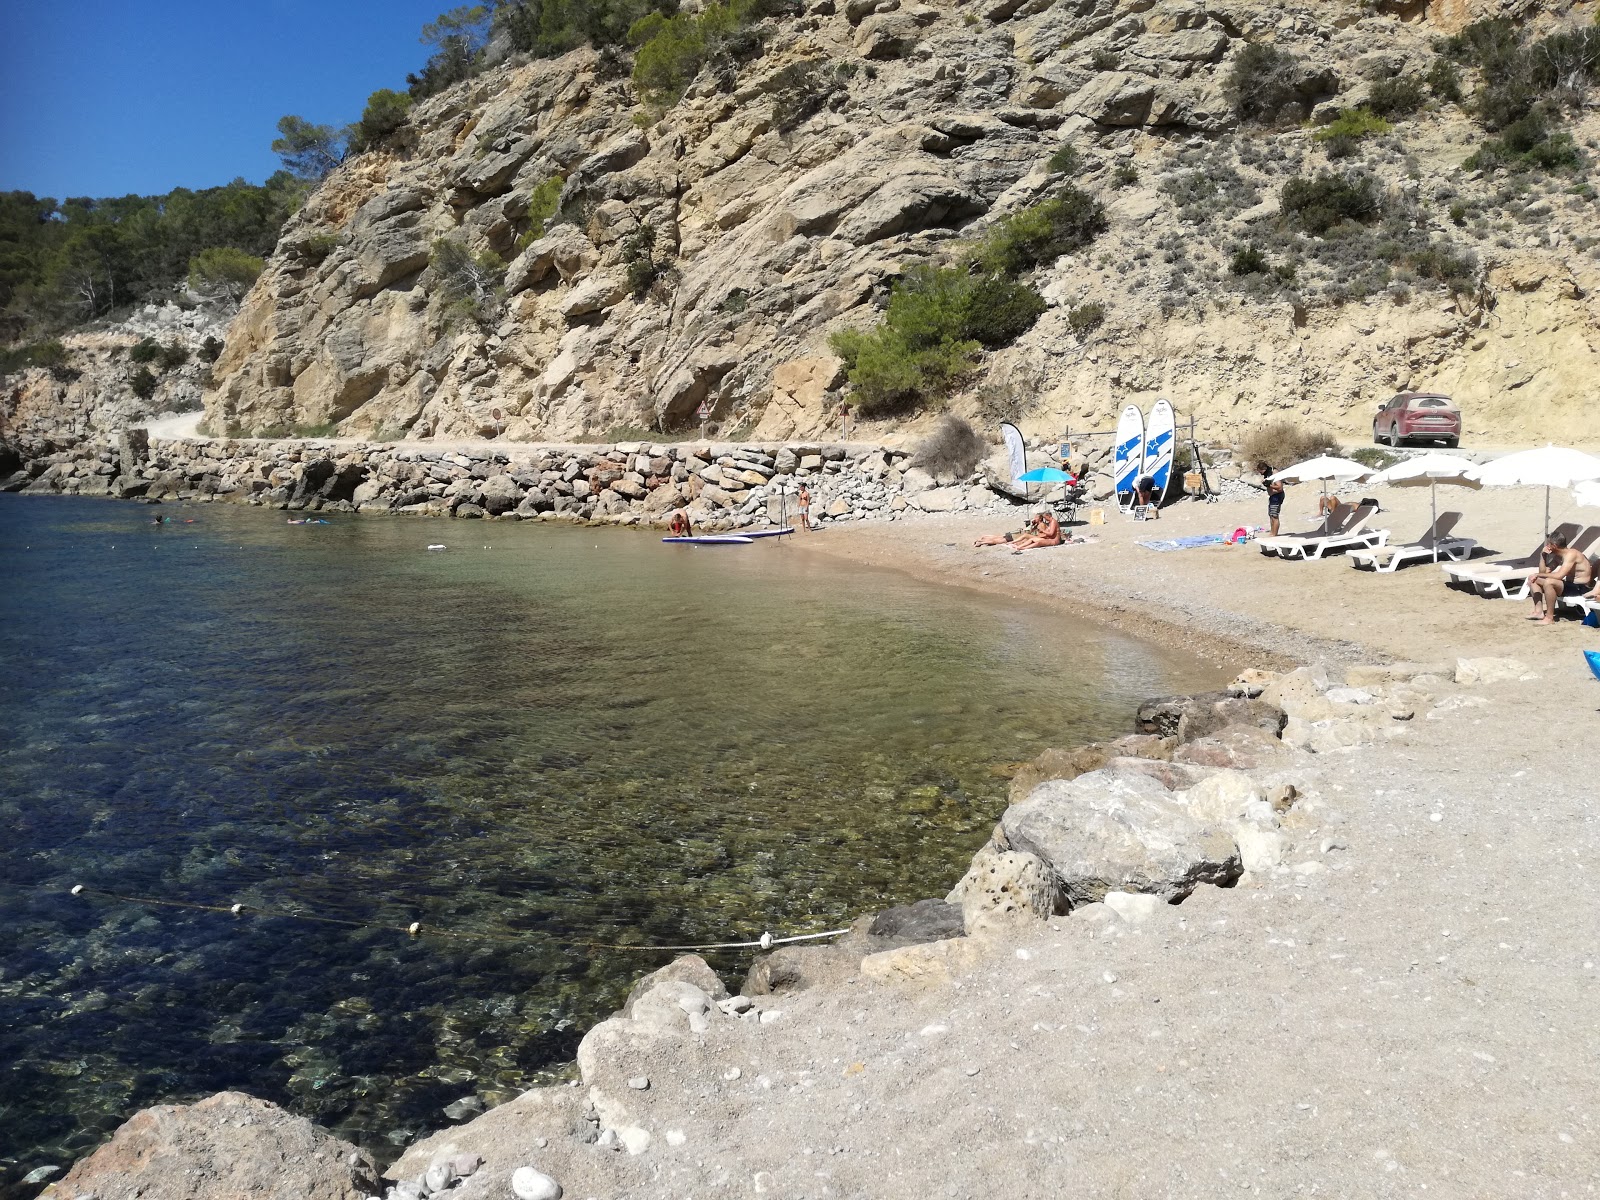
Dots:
(539, 736)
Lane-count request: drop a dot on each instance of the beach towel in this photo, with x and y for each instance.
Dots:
(1164, 545)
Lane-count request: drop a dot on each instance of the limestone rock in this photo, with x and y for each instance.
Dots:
(225, 1146)
(1201, 720)
(1489, 670)
(595, 294)
(1114, 98)
(1104, 833)
(1006, 887)
(929, 964)
(924, 921)
(686, 968)
(1069, 764)
(1241, 747)
(1161, 715)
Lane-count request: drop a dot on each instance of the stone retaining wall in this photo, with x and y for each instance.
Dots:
(721, 485)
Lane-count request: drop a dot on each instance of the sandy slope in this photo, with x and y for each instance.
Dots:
(1408, 1011)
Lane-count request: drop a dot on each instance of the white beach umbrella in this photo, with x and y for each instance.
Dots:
(1588, 493)
(1324, 468)
(1430, 470)
(1547, 467)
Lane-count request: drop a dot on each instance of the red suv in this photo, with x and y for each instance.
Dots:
(1418, 415)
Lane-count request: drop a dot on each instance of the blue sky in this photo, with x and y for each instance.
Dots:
(102, 99)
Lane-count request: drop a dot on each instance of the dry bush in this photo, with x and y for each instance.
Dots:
(953, 450)
(1283, 443)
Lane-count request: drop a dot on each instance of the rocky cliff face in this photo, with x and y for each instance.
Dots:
(93, 395)
(700, 258)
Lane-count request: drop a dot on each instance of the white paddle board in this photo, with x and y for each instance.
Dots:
(1128, 459)
(712, 539)
(764, 533)
(1160, 433)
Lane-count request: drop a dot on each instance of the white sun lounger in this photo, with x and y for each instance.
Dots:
(1507, 579)
(1332, 522)
(1346, 534)
(1438, 541)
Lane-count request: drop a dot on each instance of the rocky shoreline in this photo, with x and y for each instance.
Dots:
(1214, 791)
(731, 485)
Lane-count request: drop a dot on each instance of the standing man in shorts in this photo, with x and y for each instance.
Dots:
(1274, 496)
(805, 508)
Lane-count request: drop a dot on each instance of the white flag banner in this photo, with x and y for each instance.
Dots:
(1012, 437)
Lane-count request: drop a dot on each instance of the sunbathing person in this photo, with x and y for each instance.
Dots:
(1563, 571)
(1043, 530)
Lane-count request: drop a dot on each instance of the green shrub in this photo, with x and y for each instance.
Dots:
(1444, 80)
(1525, 144)
(1086, 318)
(1376, 457)
(638, 258)
(143, 383)
(1248, 260)
(1457, 271)
(542, 206)
(1339, 136)
(51, 356)
(673, 50)
(1044, 232)
(1126, 175)
(938, 322)
(318, 247)
(468, 285)
(1398, 97)
(1458, 213)
(147, 350)
(385, 113)
(1105, 59)
(210, 349)
(736, 301)
(1282, 443)
(224, 271)
(1329, 200)
(1000, 310)
(1066, 160)
(1263, 82)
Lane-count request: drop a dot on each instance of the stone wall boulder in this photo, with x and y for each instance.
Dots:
(1108, 832)
(223, 1147)
(1238, 747)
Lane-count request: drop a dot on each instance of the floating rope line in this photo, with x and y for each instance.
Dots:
(417, 929)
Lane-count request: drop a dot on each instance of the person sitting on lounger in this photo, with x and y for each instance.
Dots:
(1563, 571)
(1042, 530)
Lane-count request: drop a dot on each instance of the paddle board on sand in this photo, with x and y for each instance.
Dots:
(1128, 459)
(761, 533)
(713, 539)
(1160, 433)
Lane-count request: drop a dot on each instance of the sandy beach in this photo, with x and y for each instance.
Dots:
(1404, 1008)
(1239, 606)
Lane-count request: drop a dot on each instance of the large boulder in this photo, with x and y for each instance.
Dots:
(1107, 832)
(1202, 720)
(1080, 760)
(686, 968)
(1239, 747)
(1115, 98)
(1161, 715)
(1006, 888)
(224, 1147)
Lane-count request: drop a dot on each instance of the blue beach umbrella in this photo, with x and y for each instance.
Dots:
(1594, 661)
(1046, 475)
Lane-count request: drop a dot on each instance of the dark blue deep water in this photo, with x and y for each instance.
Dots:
(536, 738)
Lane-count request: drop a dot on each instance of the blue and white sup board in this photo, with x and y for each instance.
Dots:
(1128, 458)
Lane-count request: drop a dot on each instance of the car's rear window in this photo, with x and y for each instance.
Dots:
(1431, 402)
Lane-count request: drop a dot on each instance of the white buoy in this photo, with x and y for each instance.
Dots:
(766, 941)
(77, 889)
(414, 928)
(236, 909)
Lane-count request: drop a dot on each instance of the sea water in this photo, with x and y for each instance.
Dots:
(539, 742)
